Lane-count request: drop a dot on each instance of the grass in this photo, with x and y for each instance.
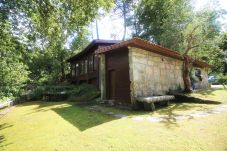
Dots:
(57, 126)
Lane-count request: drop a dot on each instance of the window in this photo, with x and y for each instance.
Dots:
(82, 66)
(77, 69)
(73, 70)
(91, 63)
(85, 66)
(94, 63)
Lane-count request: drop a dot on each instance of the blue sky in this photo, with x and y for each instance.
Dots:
(114, 26)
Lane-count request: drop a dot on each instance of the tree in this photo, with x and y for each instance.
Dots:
(37, 33)
(202, 29)
(13, 72)
(162, 21)
(174, 24)
(79, 43)
(122, 9)
(53, 21)
(223, 47)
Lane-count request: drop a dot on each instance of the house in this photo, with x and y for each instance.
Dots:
(125, 70)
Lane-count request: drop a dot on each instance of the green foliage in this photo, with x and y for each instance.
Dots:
(174, 24)
(210, 53)
(222, 79)
(223, 47)
(85, 93)
(202, 30)
(13, 72)
(162, 20)
(33, 35)
(4, 99)
(79, 43)
(79, 93)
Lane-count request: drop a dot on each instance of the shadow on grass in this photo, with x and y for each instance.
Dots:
(184, 103)
(169, 120)
(189, 99)
(77, 115)
(206, 92)
(2, 137)
(83, 118)
(169, 114)
(4, 126)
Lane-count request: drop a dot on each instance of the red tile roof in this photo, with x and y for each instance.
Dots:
(146, 45)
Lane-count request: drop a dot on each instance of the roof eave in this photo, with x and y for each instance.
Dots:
(93, 43)
(140, 43)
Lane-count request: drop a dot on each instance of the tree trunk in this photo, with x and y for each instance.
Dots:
(186, 75)
(97, 28)
(124, 15)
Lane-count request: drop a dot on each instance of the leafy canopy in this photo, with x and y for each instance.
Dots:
(33, 37)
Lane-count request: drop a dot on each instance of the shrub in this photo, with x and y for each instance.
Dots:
(37, 93)
(222, 79)
(82, 92)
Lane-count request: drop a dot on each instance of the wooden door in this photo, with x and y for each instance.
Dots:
(112, 84)
(117, 76)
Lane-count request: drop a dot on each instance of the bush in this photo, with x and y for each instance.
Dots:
(222, 79)
(82, 92)
(37, 93)
(5, 99)
(13, 78)
(85, 96)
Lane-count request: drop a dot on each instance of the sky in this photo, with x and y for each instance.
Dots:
(112, 27)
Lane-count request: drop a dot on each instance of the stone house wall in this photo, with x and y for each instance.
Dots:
(151, 74)
(154, 74)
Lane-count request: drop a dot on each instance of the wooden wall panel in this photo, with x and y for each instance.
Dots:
(117, 75)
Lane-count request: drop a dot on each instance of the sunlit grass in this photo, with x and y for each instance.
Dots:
(63, 126)
(219, 95)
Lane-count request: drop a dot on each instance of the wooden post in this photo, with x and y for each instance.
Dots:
(102, 73)
(87, 71)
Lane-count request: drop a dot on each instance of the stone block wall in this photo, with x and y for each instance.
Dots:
(153, 74)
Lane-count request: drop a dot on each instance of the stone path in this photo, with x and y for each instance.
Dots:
(6, 104)
(175, 118)
(5, 111)
(101, 110)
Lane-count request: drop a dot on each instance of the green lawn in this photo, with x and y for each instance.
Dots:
(52, 126)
